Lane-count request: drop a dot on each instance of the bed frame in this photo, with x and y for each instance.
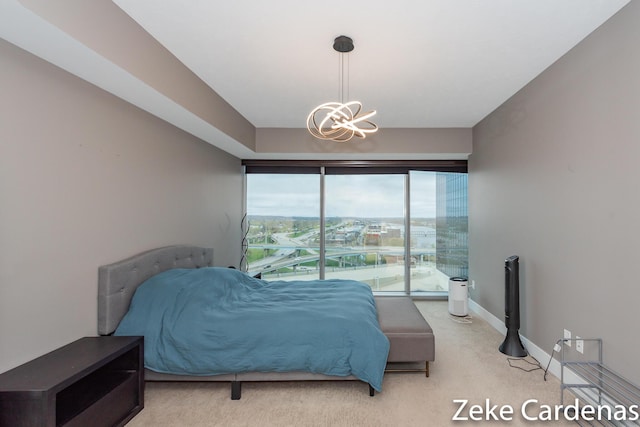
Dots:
(117, 282)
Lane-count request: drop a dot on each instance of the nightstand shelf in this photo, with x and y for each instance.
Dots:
(97, 381)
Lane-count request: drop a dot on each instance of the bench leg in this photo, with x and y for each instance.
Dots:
(426, 369)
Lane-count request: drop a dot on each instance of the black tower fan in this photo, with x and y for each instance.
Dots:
(512, 345)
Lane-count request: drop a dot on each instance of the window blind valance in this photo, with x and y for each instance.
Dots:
(352, 167)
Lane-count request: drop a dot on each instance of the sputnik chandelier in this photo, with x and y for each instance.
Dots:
(340, 121)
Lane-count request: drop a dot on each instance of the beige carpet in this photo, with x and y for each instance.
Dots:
(468, 366)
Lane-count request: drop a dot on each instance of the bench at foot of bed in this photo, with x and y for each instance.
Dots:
(411, 338)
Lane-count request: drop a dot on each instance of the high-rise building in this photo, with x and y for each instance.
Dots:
(452, 254)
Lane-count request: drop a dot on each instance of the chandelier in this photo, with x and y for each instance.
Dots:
(340, 121)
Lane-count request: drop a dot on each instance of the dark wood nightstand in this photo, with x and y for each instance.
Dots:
(95, 381)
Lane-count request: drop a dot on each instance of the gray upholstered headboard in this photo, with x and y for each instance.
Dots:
(117, 282)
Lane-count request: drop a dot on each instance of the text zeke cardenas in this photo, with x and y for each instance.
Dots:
(532, 410)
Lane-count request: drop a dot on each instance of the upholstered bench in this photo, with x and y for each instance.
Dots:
(411, 338)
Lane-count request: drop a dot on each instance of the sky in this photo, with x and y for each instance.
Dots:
(362, 196)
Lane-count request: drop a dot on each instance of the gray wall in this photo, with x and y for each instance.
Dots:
(554, 178)
(86, 179)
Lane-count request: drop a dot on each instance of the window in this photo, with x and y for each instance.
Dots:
(424, 274)
(364, 232)
(283, 225)
(400, 228)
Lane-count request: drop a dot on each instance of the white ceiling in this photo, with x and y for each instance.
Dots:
(420, 64)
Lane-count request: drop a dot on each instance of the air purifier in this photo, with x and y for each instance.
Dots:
(458, 297)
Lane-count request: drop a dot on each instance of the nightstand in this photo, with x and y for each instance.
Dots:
(95, 381)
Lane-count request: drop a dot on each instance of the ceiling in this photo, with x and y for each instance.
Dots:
(428, 63)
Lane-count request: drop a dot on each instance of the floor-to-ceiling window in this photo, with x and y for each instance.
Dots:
(400, 228)
(282, 231)
(364, 233)
(424, 275)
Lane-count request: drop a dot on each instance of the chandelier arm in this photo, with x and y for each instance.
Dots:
(326, 133)
(364, 117)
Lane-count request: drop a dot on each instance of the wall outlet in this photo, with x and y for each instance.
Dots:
(473, 284)
(579, 344)
(567, 336)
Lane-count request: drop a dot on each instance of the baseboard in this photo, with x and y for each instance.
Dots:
(536, 352)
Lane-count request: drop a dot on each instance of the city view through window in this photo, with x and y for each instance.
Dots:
(364, 234)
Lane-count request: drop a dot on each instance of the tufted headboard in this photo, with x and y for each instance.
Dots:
(117, 282)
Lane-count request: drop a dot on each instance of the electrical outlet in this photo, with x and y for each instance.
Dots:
(567, 336)
(473, 284)
(579, 344)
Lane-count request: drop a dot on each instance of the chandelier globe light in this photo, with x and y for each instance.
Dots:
(341, 121)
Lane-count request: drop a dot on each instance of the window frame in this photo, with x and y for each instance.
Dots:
(352, 167)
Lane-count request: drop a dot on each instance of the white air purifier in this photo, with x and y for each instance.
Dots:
(458, 297)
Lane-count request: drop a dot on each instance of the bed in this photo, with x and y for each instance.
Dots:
(145, 295)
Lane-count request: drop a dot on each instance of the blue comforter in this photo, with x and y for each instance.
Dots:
(212, 321)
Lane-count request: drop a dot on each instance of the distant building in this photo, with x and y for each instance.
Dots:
(394, 232)
(452, 254)
(373, 235)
